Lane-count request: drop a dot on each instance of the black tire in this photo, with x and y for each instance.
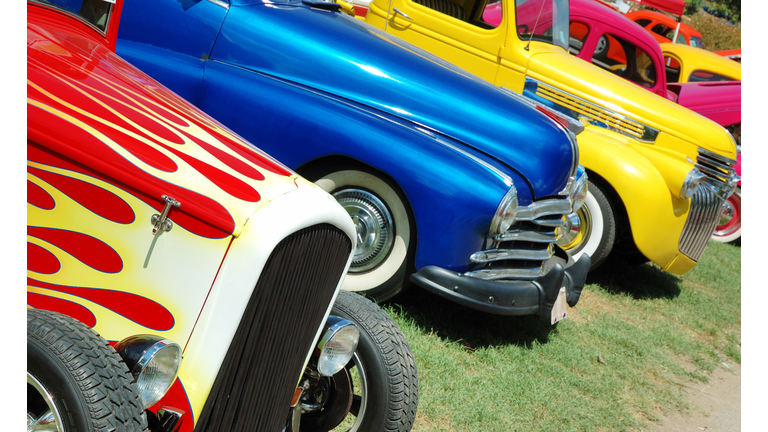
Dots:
(380, 268)
(89, 386)
(596, 220)
(384, 360)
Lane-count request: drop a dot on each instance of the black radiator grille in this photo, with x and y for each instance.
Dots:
(255, 384)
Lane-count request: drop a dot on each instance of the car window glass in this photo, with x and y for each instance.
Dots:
(660, 29)
(578, 34)
(696, 42)
(702, 75)
(672, 68)
(95, 12)
(643, 22)
(680, 39)
(625, 59)
(470, 11)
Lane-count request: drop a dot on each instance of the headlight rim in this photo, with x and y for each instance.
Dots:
(506, 212)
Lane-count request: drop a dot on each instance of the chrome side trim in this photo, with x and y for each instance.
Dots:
(703, 216)
(718, 171)
(508, 273)
(589, 112)
(511, 254)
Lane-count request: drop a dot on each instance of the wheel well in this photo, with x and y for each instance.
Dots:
(315, 169)
(624, 239)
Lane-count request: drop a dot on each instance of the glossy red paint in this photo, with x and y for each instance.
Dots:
(657, 18)
(100, 201)
(76, 311)
(89, 250)
(177, 398)
(40, 260)
(38, 197)
(676, 7)
(141, 310)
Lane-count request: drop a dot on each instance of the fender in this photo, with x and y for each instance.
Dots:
(434, 175)
(656, 215)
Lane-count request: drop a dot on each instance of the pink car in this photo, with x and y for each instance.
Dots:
(608, 39)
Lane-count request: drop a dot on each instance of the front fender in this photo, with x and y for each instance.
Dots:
(452, 189)
(656, 215)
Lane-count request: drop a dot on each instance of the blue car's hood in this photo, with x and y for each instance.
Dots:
(336, 53)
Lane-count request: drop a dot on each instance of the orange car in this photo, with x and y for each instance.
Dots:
(662, 27)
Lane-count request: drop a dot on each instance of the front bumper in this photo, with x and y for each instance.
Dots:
(516, 297)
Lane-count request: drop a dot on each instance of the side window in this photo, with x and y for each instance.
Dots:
(660, 29)
(471, 11)
(672, 67)
(680, 38)
(643, 22)
(702, 75)
(578, 34)
(626, 60)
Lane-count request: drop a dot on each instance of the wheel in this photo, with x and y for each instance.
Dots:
(383, 231)
(384, 380)
(592, 229)
(76, 382)
(729, 228)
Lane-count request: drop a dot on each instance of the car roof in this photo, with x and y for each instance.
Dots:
(664, 19)
(697, 58)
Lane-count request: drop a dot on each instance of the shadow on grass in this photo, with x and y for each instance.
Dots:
(641, 282)
(473, 329)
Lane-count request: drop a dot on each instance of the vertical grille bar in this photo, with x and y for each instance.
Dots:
(255, 384)
(702, 219)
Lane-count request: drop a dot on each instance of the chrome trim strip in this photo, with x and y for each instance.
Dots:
(531, 236)
(511, 254)
(543, 208)
(221, 3)
(496, 274)
(713, 155)
(593, 113)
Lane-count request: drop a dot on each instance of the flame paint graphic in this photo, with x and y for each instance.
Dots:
(89, 250)
(138, 309)
(76, 311)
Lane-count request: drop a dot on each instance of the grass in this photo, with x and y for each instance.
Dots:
(636, 337)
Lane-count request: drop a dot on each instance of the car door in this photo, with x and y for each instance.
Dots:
(456, 32)
(150, 39)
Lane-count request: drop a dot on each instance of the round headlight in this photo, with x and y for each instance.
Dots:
(337, 345)
(505, 213)
(691, 183)
(579, 194)
(153, 362)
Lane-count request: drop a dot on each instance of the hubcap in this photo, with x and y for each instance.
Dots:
(373, 223)
(578, 227)
(42, 414)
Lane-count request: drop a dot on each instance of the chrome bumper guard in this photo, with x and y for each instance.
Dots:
(706, 204)
(511, 297)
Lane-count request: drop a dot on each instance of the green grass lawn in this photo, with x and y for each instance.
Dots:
(618, 362)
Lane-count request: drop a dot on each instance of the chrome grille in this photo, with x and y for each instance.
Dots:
(520, 252)
(702, 219)
(706, 203)
(718, 171)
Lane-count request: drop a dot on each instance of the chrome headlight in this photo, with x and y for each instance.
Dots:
(579, 192)
(505, 213)
(153, 362)
(691, 183)
(337, 345)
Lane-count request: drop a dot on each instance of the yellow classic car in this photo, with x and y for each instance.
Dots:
(690, 64)
(658, 172)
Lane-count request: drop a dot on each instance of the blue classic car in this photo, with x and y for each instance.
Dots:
(454, 184)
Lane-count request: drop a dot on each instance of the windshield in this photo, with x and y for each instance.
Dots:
(94, 12)
(543, 20)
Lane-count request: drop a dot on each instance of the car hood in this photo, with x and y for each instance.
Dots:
(586, 81)
(115, 122)
(358, 62)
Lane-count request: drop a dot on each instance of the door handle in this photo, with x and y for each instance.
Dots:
(398, 11)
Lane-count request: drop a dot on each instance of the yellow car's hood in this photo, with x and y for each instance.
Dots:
(583, 80)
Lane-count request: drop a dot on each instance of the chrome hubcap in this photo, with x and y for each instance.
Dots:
(41, 411)
(576, 231)
(373, 222)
